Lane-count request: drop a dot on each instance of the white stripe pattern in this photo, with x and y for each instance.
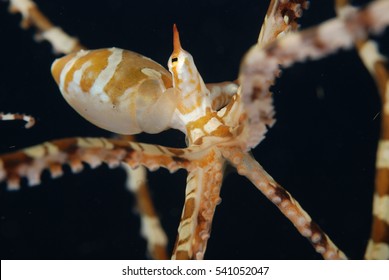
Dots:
(106, 75)
(381, 207)
(66, 69)
(383, 154)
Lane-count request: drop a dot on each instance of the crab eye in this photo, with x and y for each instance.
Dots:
(174, 59)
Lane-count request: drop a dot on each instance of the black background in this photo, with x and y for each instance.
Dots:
(322, 148)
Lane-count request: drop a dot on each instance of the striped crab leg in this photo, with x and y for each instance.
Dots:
(247, 166)
(31, 162)
(376, 64)
(151, 229)
(378, 246)
(201, 199)
(30, 121)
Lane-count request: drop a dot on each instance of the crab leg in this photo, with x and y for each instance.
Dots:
(151, 228)
(378, 246)
(30, 121)
(250, 168)
(281, 19)
(375, 62)
(202, 197)
(31, 162)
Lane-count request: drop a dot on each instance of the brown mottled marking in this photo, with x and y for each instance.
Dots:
(177, 152)
(302, 2)
(125, 145)
(256, 92)
(18, 117)
(98, 62)
(382, 182)
(129, 72)
(180, 159)
(222, 131)
(160, 252)
(55, 169)
(289, 13)
(68, 145)
(188, 209)
(281, 193)
(341, 3)
(185, 223)
(316, 230)
(182, 255)
(160, 149)
(198, 141)
(382, 76)
(183, 241)
(144, 201)
(201, 221)
(381, 230)
(141, 147)
(11, 161)
(194, 189)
